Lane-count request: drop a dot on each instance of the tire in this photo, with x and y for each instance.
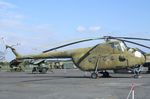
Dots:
(94, 75)
(44, 70)
(34, 70)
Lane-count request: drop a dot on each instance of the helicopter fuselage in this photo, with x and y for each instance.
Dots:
(105, 56)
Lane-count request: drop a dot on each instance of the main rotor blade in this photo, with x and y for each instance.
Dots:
(71, 44)
(106, 38)
(133, 38)
(130, 42)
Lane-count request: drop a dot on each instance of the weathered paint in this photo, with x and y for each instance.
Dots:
(105, 56)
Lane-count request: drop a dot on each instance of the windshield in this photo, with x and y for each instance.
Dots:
(116, 46)
(119, 46)
(123, 46)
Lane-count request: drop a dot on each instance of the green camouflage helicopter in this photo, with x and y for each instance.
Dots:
(110, 55)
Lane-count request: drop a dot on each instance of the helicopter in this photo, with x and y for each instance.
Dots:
(112, 54)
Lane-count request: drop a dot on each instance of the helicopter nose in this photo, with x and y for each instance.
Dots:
(140, 55)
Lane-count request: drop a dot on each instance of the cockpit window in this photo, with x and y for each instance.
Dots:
(123, 46)
(119, 46)
(116, 46)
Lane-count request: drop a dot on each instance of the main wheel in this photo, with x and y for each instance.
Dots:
(44, 70)
(137, 76)
(148, 70)
(34, 70)
(105, 74)
(94, 75)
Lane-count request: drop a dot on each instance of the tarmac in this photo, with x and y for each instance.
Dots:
(71, 84)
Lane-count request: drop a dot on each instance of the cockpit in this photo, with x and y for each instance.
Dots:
(120, 46)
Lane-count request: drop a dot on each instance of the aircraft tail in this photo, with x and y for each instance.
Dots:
(14, 51)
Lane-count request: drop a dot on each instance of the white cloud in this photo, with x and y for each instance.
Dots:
(6, 5)
(81, 29)
(14, 28)
(91, 29)
(94, 29)
(9, 17)
(8, 23)
(41, 28)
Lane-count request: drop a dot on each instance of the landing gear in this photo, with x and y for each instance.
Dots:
(137, 72)
(105, 74)
(148, 70)
(94, 75)
(41, 70)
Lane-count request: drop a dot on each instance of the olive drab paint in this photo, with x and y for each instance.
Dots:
(105, 56)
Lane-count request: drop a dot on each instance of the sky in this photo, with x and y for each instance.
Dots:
(37, 25)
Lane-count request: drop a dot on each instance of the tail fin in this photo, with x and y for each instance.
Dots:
(13, 50)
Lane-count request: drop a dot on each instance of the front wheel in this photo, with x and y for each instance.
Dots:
(94, 75)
